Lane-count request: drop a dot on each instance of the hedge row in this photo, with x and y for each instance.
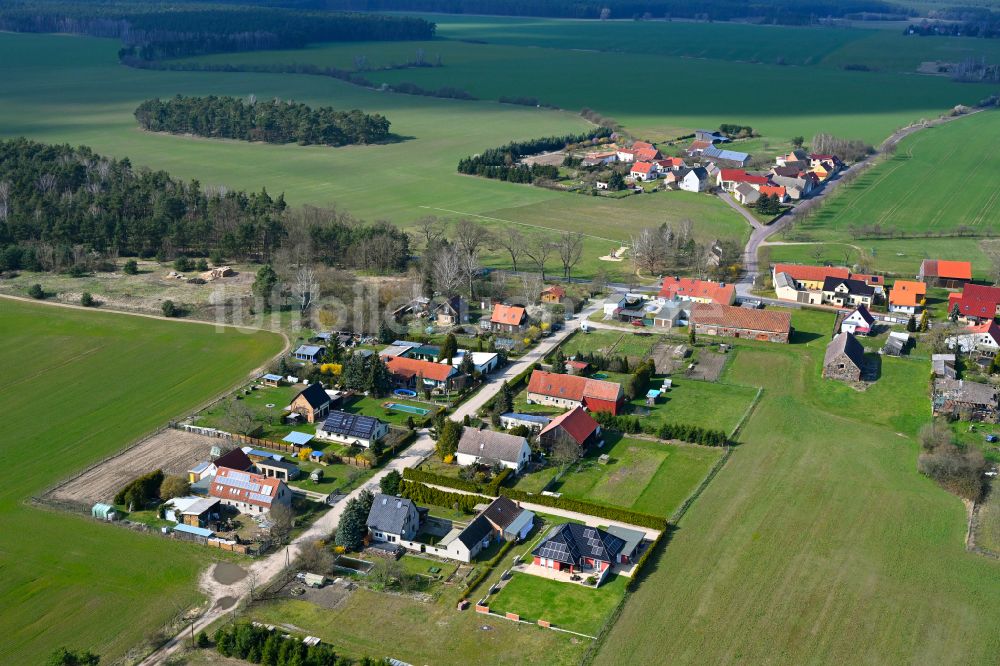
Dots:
(491, 488)
(514, 383)
(679, 431)
(423, 494)
(596, 510)
(486, 569)
(633, 582)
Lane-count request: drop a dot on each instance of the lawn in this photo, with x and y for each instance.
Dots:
(706, 404)
(267, 403)
(988, 528)
(371, 406)
(647, 476)
(105, 380)
(567, 606)
(818, 541)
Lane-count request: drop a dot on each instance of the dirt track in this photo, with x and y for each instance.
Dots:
(173, 451)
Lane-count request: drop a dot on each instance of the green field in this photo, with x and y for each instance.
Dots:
(565, 605)
(647, 476)
(818, 541)
(940, 179)
(79, 386)
(704, 404)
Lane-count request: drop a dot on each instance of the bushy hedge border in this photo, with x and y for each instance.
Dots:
(596, 510)
(679, 431)
(488, 568)
(491, 488)
(633, 582)
(514, 384)
(424, 494)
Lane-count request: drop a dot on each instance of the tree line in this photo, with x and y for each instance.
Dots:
(272, 121)
(779, 11)
(65, 208)
(152, 31)
(502, 163)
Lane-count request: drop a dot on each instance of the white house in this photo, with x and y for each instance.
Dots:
(982, 337)
(859, 322)
(488, 446)
(483, 362)
(352, 429)
(392, 519)
(695, 180)
(644, 171)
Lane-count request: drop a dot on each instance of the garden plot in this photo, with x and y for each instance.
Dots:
(173, 451)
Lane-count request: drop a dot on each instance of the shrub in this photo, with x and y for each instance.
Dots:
(86, 300)
(490, 487)
(141, 490)
(174, 486)
(203, 639)
(596, 510)
(422, 494)
(36, 291)
(958, 470)
(131, 267)
(169, 309)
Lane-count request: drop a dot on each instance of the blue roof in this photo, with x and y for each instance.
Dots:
(652, 393)
(725, 154)
(299, 438)
(263, 454)
(272, 378)
(530, 418)
(308, 350)
(191, 529)
(323, 336)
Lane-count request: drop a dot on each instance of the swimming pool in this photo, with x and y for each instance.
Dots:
(405, 393)
(420, 411)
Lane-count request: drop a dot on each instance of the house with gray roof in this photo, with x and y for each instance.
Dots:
(579, 549)
(488, 446)
(746, 194)
(392, 519)
(309, 353)
(965, 400)
(729, 156)
(844, 359)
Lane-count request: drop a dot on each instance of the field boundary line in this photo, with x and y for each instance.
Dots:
(523, 224)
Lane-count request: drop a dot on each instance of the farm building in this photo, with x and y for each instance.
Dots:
(949, 274)
(312, 403)
(730, 321)
(546, 388)
(944, 365)
(896, 344)
(194, 511)
(844, 359)
(352, 429)
(488, 446)
(968, 401)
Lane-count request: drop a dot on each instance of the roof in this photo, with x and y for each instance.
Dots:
(555, 290)
(315, 395)
(741, 176)
(642, 167)
(577, 423)
(273, 378)
(246, 487)
(235, 459)
(989, 328)
(191, 529)
(491, 444)
(632, 538)
(775, 190)
(731, 316)
(308, 350)
(847, 344)
(800, 272)
(572, 387)
(907, 292)
(863, 312)
(393, 350)
(297, 438)
(414, 367)
(748, 191)
(688, 288)
(642, 145)
(475, 532)
(955, 270)
(670, 162)
(722, 154)
(527, 418)
(868, 278)
(569, 543)
(698, 145)
(782, 281)
(502, 512)
(351, 425)
(979, 301)
(960, 390)
(279, 463)
(853, 286)
(388, 514)
(507, 314)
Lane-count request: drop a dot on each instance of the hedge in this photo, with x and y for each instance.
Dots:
(423, 494)
(596, 510)
(514, 383)
(491, 488)
(679, 431)
(641, 564)
(487, 568)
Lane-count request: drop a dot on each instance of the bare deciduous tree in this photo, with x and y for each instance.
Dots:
(512, 240)
(239, 418)
(530, 286)
(447, 271)
(431, 230)
(538, 250)
(282, 520)
(470, 239)
(305, 287)
(570, 250)
(645, 250)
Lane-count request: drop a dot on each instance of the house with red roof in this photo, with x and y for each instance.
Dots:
(575, 426)
(907, 296)
(644, 171)
(418, 374)
(778, 191)
(698, 291)
(248, 492)
(976, 302)
(810, 277)
(728, 179)
(670, 163)
(548, 388)
(508, 319)
(553, 294)
(735, 322)
(948, 274)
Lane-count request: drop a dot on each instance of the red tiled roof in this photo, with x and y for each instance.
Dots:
(669, 162)
(642, 167)
(249, 488)
(731, 316)
(572, 387)
(732, 174)
(555, 290)
(642, 145)
(577, 423)
(954, 270)
(777, 190)
(812, 273)
(507, 314)
(908, 293)
(741, 176)
(989, 328)
(689, 288)
(870, 280)
(978, 301)
(647, 153)
(699, 145)
(415, 367)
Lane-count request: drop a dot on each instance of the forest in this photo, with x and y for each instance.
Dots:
(272, 121)
(68, 209)
(501, 163)
(151, 30)
(786, 12)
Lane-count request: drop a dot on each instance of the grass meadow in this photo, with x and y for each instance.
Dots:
(567, 606)
(79, 386)
(818, 541)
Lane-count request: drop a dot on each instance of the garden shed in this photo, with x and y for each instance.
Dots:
(104, 512)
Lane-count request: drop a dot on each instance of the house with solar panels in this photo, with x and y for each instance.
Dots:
(352, 429)
(582, 550)
(248, 492)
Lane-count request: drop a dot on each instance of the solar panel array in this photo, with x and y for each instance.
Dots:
(257, 497)
(350, 425)
(238, 480)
